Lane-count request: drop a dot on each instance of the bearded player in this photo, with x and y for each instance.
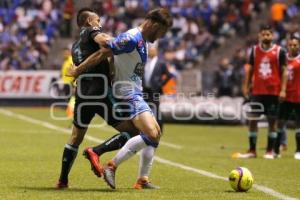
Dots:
(263, 86)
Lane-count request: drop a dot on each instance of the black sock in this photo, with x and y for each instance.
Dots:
(278, 142)
(114, 143)
(271, 141)
(298, 141)
(252, 140)
(69, 155)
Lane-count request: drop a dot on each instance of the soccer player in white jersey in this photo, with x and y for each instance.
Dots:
(129, 50)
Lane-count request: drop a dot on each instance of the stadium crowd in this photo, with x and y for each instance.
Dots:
(27, 30)
(284, 16)
(198, 26)
(29, 27)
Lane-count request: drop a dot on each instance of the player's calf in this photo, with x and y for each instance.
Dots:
(153, 134)
(77, 136)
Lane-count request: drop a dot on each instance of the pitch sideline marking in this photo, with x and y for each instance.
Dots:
(25, 131)
(67, 131)
(261, 188)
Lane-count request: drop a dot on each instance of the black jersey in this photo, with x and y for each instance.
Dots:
(81, 50)
(91, 95)
(85, 46)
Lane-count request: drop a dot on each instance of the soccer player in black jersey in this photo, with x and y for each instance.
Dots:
(90, 97)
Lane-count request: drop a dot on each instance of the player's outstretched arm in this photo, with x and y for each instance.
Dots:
(102, 39)
(90, 62)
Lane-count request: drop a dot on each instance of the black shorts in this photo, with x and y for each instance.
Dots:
(92, 100)
(264, 104)
(289, 111)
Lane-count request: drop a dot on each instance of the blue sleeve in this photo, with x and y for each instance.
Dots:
(123, 43)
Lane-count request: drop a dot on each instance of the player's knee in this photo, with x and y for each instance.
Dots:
(159, 130)
(155, 139)
(149, 140)
(157, 135)
(153, 133)
(272, 126)
(253, 124)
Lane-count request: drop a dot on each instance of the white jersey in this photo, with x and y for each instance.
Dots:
(130, 56)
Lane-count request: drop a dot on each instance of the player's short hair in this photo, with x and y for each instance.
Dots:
(265, 27)
(160, 15)
(295, 37)
(82, 15)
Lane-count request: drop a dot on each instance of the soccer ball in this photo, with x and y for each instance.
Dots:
(241, 179)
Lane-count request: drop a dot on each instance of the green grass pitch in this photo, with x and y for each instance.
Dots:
(30, 157)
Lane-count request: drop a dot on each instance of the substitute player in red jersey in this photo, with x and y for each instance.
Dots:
(267, 62)
(290, 107)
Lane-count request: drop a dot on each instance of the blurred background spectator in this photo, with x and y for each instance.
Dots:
(156, 77)
(224, 78)
(27, 31)
(67, 81)
(200, 33)
(68, 11)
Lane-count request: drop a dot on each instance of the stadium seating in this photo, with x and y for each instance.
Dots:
(28, 29)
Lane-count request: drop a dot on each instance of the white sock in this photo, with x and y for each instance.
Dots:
(131, 147)
(146, 161)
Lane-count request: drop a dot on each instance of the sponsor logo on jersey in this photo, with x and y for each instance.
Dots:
(290, 72)
(120, 44)
(265, 69)
(139, 69)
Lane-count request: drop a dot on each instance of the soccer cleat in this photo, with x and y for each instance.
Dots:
(249, 154)
(297, 156)
(269, 155)
(62, 185)
(144, 183)
(94, 160)
(109, 174)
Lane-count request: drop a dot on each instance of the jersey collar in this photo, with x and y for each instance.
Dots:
(293, 58)
(268, 50)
